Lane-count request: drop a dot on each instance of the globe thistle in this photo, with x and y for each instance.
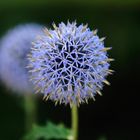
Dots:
(69, 64)
(15, 46)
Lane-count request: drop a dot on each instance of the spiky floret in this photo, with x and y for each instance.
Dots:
(69, 64)
(14, 47)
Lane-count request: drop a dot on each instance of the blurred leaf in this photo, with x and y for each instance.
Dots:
(49, 131)
(102, 138)
(5, 3)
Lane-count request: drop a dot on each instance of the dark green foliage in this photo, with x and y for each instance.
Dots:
(49, 131)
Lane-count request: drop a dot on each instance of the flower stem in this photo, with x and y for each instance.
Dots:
(30, 111)
(74, 115)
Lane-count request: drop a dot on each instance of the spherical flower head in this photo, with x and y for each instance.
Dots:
(14, 47)
(69, 64)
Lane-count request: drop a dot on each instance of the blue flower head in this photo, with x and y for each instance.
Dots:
(14, 47)
(69, 64)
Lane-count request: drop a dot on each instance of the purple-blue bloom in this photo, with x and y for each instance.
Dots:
(69, 64)
(14, 47)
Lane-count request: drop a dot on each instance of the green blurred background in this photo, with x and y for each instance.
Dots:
(114, 116)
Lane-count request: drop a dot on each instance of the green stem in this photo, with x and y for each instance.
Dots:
(30, 111)
(74, 115)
